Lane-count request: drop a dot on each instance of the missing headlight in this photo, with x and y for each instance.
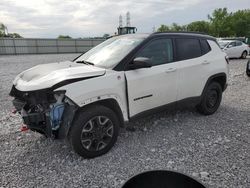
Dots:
(56, 110)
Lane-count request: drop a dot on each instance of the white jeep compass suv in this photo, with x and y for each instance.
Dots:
(86, 100)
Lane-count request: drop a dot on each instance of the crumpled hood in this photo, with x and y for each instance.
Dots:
(47, 75)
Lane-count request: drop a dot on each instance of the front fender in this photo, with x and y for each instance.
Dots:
(110, 86)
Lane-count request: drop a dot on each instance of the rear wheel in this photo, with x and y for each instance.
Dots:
(244, 55)
(211, 99)
(94, 132)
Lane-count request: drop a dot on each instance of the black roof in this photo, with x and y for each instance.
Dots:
(185, 34)
(173, 34)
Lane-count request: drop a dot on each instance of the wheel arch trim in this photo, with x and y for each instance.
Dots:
(222, 75)
(104, 100)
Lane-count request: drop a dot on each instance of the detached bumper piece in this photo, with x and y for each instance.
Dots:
(38, 122)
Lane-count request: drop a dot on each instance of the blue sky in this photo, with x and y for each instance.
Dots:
(84, 18)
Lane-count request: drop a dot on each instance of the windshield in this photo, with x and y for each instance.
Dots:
(223, 44)
(109, 53)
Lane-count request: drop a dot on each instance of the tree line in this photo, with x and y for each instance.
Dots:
(4, 32)
(221, 23)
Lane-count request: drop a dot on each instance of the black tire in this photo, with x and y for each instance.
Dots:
(88, 132)
(244, 55)
(211, 99)
(248, 68)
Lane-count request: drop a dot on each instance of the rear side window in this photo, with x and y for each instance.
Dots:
(205, 48)
(188, 48)
(238, 43)
(232, 44)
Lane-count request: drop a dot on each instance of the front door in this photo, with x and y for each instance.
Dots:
(152, 87)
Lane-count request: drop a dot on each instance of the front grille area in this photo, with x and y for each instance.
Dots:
(18, 104)
(42, 96)
(33, 106)
(17, 94)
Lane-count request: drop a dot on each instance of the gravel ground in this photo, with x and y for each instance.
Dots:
(214, 149)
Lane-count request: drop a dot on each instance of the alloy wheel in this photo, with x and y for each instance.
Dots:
(97, 133)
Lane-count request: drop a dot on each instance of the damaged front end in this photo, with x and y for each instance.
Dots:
(45, 111)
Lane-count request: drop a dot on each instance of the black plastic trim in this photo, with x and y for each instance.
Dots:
(222, 74)
(192, 101)
(70, 81)
(184, 34)
(127, 97)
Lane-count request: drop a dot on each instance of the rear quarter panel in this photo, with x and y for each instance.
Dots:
(217, 59)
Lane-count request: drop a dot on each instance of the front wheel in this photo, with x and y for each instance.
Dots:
(211, 99)
(94, 131)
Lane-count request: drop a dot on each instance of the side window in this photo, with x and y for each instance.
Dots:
(233, 44)
(188, 48)
(205, 48)
(238, 43)
(159, 51)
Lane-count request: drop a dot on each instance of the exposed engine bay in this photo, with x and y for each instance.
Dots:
(45, 111)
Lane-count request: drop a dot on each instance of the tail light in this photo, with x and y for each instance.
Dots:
(227, 59)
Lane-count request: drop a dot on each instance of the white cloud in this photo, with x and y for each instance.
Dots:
(78, 18)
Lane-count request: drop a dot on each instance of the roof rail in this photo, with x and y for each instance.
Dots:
(188, 32)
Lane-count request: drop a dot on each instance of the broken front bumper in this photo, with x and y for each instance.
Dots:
(46, 112)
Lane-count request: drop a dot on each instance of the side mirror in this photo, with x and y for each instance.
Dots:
(230, 46)
(140, 62)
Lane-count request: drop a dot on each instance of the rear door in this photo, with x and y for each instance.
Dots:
(152, 87)
(240, 47)
(192, 66)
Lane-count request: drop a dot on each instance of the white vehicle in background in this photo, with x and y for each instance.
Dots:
(234, 48)
(86, 100)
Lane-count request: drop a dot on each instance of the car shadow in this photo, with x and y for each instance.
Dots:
(174, 120)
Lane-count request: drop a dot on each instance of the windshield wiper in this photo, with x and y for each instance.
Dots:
(85, 62)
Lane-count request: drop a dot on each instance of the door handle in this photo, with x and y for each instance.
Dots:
(205, 62)
(170, 70)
